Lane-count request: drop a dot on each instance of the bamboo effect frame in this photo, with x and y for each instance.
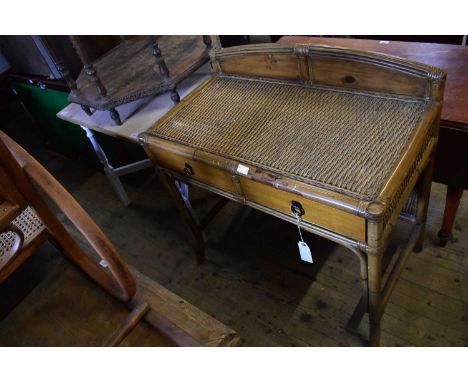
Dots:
(414, 170)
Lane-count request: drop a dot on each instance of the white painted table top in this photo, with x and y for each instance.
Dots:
(137, 116)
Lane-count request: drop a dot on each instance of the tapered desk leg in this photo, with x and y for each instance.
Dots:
(452, 202)
(375, 295)
(361, 308)
(179, 193)
(424, 192)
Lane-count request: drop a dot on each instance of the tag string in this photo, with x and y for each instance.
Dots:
(298, 218)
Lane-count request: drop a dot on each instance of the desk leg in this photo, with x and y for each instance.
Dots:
(361, 307)
(423, 189)
(374, 288)
(452, 202)
(112, 173)
(179, 193)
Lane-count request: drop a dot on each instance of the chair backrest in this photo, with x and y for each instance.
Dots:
(12, 203)
(11, 200)
(23, 182)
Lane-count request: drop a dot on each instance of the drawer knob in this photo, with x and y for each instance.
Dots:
(188, 170)
(297, 208)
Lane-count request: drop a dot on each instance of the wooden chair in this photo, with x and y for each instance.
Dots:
(27, 221)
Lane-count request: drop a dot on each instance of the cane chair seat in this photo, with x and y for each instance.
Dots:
(46, 317)
(30, 226)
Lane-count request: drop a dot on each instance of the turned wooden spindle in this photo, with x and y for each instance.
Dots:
(163, 67)
(114, 114)
(61, 67)
(87, 63)
(91, 72)
(207, 41)
(86, 109)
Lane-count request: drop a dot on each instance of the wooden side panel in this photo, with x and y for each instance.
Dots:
(347, 224)
(278, 66)
(364, 76)
(182, 318)
(8, 212)
(176, 158)
(11, 201)
(8, 190)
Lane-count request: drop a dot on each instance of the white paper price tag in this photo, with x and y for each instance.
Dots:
(244, 170)
(304, 252)
(103, 263)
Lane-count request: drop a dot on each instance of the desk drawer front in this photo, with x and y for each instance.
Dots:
(341, 222)
(181, 160)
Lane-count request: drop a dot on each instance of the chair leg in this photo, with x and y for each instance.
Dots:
(133, 319)
(188, 215)
(452, 202)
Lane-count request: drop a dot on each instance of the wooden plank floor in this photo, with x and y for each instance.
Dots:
(253, 281)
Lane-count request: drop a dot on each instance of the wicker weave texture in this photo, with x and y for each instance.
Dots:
(29, 224)
(342, 141)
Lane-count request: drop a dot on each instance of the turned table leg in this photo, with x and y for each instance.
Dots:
(109, 171)
(452, 202)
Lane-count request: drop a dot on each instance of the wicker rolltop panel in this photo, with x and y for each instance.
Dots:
(347, 142)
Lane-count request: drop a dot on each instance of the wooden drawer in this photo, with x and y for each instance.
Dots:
(211, 171)
(338, 221)
(181, 160)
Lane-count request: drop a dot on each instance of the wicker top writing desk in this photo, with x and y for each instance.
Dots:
(451, 161)
(337, 136)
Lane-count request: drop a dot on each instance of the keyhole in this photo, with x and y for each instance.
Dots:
(296, 208)
(349, 79)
